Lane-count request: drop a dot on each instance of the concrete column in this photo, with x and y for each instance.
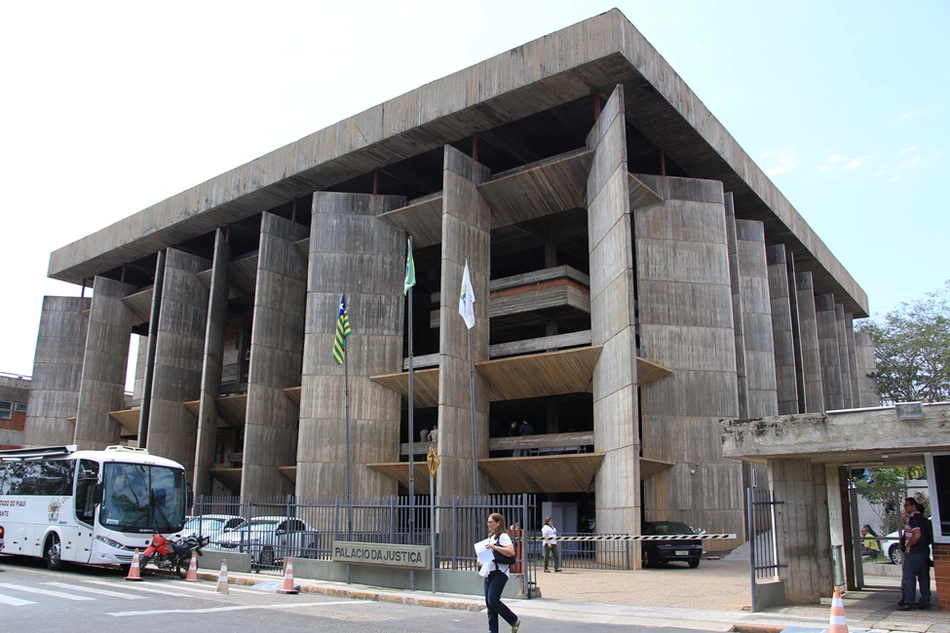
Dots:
(207, 434)
(57, 372)
(105, 362)
(466, 226)
(739, 326)
(808, 336)
(801, 528)
(757, 319)
(280, 294)
(179, 350)
(613, 323)
(828, 351)
(844, 355)
(866, 365)
(685, 309)
(782, 335)
(852, 360)
(353, 251)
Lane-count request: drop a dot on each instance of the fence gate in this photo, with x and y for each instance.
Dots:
(764, 564)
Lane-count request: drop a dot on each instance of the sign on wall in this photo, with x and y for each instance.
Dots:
(386, 554)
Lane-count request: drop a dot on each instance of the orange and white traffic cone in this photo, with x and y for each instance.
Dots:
(223, 577)
(838, 623)
(288, 586)
(135, 573)
(192, 575)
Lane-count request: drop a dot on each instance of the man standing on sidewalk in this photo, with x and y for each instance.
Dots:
(916, 558)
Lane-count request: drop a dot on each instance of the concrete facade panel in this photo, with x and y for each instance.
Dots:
(688, 304)
(808, 338)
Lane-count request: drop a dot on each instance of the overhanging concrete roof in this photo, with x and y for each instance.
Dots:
(841, 437)
(559, 68)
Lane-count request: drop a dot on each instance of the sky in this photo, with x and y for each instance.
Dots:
(107, 108)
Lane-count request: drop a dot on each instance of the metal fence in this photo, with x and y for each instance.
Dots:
(763, 557)
(277, 528)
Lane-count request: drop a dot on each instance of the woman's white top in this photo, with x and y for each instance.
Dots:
(503, 540)
(550, 535)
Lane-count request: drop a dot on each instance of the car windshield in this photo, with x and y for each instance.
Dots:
(257, 526)
(199, 524)
(669, 527)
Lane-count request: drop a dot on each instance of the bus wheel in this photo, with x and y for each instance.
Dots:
(53, 553)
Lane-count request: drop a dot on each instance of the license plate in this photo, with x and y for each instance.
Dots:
(682, 552)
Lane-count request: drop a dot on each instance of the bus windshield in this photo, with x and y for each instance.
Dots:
(142, 498)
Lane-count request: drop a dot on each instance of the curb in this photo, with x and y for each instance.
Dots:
(360, 594)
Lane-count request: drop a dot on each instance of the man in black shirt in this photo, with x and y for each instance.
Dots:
(916, 570)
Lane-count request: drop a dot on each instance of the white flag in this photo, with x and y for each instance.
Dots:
(467, 299)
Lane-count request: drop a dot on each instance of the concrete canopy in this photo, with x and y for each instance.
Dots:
(859, 437)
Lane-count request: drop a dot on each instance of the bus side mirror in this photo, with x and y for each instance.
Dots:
(97, 494)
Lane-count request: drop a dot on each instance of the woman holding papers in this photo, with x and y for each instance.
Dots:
(496, 574)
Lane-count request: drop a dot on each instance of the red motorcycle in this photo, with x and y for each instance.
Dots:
(171, 555)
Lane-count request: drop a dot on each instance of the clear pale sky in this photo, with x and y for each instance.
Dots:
(109, 107)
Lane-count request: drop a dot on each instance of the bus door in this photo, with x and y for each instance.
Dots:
(84, 506)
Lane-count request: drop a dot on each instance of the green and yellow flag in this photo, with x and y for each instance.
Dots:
(342, 331)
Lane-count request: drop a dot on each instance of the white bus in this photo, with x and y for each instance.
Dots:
(93, 507)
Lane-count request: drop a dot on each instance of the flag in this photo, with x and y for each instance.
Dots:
(342, 331)
(410, 270)
(467, 299)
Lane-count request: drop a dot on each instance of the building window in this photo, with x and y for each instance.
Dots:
(19, 407)
(6, 410)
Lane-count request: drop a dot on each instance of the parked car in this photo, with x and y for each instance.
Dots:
(271, 539)
(657, 552)
(894, 551)
(212, 525)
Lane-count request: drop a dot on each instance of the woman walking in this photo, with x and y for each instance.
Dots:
(496, 574)
(549, 534)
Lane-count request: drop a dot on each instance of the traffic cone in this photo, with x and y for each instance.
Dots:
(134, 572)
(288, 578)
(838, 623)
(223, 577)
(192, 575)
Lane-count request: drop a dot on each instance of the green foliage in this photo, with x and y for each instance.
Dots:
(888, 504)
(912, 350)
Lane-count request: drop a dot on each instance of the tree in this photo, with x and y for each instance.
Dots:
(912, 350)
(885, 490)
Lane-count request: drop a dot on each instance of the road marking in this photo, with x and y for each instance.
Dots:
(123, 614)
(163, 592)
(102, 592)
(45, 592)
(208, 588)
(14, 602)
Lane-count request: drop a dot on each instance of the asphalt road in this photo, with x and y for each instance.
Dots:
(97, 600)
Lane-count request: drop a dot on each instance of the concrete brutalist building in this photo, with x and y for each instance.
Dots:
(637, 276)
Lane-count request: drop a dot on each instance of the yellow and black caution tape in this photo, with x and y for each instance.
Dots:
(641, 537)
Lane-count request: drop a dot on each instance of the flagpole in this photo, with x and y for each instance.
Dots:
(471, 358)
(412, 426)
(346, 406)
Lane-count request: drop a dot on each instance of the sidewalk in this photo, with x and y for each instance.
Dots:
(715, 597)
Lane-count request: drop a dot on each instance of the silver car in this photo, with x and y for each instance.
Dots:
(269, 540)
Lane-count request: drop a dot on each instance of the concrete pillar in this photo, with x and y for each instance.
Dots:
(808, 337)
(280, 299)
(801, 527)
(466, 226)
(613, 323)
(105, 361)
(207, 434)
(852, 359)
(179, 349)
(685, 310)
(844, 355)
(828, 351)
(57, 372)
(353, 251)
(782, 335)
(866, 365)
(739, 326)
(757, 319)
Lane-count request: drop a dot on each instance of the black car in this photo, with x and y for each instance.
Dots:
(664, 551)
